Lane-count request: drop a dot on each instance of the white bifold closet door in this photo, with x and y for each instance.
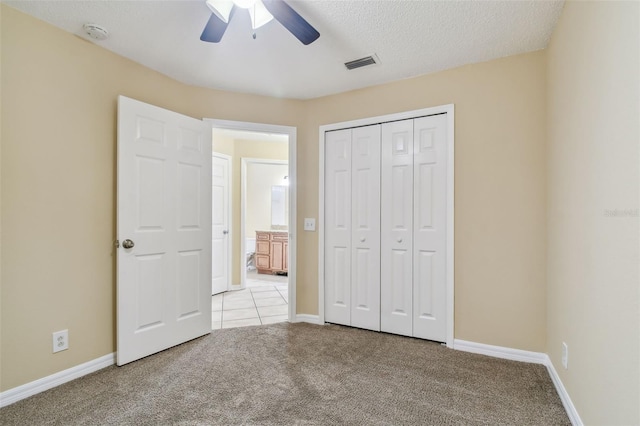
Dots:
(396, 269)
(352, 227)
(413, 227)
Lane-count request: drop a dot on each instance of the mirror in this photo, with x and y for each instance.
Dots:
(279, 214)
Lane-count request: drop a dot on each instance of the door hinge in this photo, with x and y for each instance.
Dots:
(116, 243)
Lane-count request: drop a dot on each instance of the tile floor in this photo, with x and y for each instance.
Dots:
(264, 301)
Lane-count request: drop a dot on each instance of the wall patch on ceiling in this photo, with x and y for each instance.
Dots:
(362, 62)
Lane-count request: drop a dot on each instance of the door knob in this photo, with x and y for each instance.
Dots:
(399, 240)
(363, 239)
(128, 244)
(225, 232)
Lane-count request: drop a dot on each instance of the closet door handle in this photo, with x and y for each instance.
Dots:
(363, 239)
(399, 240)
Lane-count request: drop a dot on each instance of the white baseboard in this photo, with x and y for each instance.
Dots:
(564, 395)
(312, 319)
(525, 356)
(500, 352)
(24, 391)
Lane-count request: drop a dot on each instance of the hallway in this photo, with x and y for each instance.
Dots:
(264, 301)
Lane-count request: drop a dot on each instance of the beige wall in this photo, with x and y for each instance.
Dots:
(499, 190)
(593, 169)
(222, 143)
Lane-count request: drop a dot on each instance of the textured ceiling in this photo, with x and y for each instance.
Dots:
(411, 38)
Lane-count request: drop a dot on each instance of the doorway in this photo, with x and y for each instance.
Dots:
(258, 295)
(265, 220)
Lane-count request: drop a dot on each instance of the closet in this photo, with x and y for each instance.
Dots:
(385, 238)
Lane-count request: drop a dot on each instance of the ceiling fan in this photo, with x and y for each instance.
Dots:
(261, 12)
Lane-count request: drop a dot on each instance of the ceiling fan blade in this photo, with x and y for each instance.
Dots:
(292, 21)
(215, 28)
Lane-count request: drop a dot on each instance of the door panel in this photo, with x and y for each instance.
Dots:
(430, 204)
(220, 172)
(338, 227)
(150, 194)
(188, 208)
(150, 284)
(365, 224)
(423, 294)
(188, 279)
(164, 201)
(397, 228)
(400, 301)
(339, 292)
(277, 261)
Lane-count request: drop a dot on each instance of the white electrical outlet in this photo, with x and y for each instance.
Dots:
(309, 224)
(565, 355)
(60, 340)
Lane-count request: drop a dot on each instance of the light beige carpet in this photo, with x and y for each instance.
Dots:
(302, 374)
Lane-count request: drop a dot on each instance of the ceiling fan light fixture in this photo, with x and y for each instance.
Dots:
(245, 4)
(259, 15)
(261, 12)
(221, 8)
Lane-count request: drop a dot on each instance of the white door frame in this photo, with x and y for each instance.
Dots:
(243, 204)
(443, 109)
(229, 217)
(292, 133)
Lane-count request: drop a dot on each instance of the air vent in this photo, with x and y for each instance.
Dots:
(362, 62)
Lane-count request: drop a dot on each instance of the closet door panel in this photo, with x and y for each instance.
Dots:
(338, 227)
(365, 222)
(397, 228)
(429, 228)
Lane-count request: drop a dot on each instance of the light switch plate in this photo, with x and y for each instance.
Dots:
(309, 224)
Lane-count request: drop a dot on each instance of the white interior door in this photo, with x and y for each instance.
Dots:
(397, 228)
(220, 237)
(365, 225)
(338, 227)
(164, 229)
(430, 227)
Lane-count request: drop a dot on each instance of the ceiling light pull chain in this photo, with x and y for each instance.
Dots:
(253, 21)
